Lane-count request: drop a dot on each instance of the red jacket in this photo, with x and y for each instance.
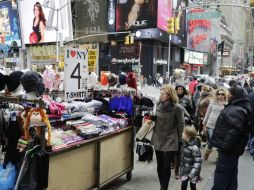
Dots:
(192, 86)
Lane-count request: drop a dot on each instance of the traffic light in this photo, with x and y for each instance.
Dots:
(131, 39)
(128, 40)
(177, 25)
(171, 25)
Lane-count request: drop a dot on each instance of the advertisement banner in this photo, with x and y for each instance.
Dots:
(180, 38)
(90, 17)
(164, 13)
(199, 32)
(9, 24)
(39, 20)
(75, 74)
(135, 14)
(92, 60)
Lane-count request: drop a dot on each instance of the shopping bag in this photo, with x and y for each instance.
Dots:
(7, 177)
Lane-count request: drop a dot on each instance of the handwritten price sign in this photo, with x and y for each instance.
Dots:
(75, 74)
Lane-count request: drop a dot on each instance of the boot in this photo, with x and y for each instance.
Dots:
(207, 153)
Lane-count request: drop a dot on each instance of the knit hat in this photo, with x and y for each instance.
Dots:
(33, 82)
(3, 79)
(13, 80)
(111, 80)
(122, 79)
(132, 81)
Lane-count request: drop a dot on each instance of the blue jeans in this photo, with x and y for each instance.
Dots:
(209, 137)
(225, 176)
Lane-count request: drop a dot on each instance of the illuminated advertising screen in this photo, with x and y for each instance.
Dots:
(39, 20)
(136, 14)
(9, 24)
(90, 17)
(180, 37)
(164, 13)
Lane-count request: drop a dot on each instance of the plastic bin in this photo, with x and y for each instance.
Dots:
(7, 177)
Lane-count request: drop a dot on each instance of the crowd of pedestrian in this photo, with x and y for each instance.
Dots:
(202, 113)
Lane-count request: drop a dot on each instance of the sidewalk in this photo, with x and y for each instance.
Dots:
(145, 176)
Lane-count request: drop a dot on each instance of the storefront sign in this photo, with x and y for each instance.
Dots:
(75, 74)
(9, 24)
(124, 61)
(132, 15)
(92, 57)
(194, 57)
(160, 61)
(47, 11)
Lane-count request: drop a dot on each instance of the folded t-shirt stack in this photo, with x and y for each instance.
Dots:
(87, 130)
(104, 120)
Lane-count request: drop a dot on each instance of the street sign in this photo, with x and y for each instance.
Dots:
(75, 74)
(203, 15)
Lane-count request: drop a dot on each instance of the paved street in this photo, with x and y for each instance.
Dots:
(145, 176)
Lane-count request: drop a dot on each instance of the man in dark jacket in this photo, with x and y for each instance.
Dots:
(230, 136)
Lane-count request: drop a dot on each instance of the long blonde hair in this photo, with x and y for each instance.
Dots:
(225, 94)
(171, 92)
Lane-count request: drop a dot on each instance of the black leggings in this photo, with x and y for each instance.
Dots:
(164, 160)
(185, 185)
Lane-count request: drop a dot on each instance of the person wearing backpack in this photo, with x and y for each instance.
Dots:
(230, 136)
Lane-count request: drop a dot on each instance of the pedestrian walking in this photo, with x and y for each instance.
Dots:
(202, 105)
(230, 136)
(192, 85)
(215, 107)
(191, 159)
(167, 134)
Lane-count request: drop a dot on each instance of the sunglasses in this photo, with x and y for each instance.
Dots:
(220, 94)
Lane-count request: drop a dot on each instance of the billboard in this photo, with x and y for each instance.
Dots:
(90, 17)
(9, 24)
(194, 57)
(39, 20)
(164, 13)
(132, 14)
(180, 38)
(199, 33)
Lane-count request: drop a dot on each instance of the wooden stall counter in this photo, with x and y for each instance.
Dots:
(94, 163)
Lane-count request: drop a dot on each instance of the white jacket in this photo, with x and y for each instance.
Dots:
(213, 112)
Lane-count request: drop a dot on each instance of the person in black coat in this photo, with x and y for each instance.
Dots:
(230, 136)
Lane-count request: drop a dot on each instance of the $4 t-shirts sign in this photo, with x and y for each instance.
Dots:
(75, 74)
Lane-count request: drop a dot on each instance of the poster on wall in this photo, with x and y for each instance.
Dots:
(90, 16)
(39, 20)
(75, 74)
(132, 14)
(164, 13)
(9, 24)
